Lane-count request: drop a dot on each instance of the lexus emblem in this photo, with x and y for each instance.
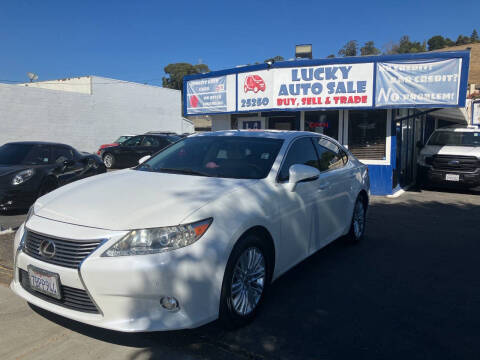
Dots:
(47, 249)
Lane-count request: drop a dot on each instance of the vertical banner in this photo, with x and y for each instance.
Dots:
(211, 95)
(416, 83)
(476, 112)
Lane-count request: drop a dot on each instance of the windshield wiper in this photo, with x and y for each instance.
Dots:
(182, 171)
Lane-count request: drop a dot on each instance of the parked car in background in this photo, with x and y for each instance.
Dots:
(117, 142)
(29, 170)
(451, 156)
(195, 233)
(129, 152)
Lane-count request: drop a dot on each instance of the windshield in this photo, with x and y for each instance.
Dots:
(24, 154)
(451, 138)
(121, 139)
(217, 156)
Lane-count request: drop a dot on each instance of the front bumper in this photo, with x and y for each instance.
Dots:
(434, 176)
(17, 199)
(127, 290)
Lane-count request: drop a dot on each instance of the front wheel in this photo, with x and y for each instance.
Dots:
(357, 227)
(246, 277)
(109, 161)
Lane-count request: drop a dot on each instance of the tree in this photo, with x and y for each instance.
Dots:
(474, 38)
(275, 59)
(449, 42)
(331, 56)
(369, 49)
(175, 73)
(462, 40)
(350, 49)
(405, 46)
(436, 42)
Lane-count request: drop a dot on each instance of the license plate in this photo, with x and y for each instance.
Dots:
(452, 177)
(43, 281)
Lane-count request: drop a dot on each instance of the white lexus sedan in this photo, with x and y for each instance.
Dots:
(195, 233)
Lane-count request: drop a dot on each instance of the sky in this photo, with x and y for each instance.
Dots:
(135, 40)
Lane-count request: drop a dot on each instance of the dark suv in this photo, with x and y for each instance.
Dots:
(128, 153)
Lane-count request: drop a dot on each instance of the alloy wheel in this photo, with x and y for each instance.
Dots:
(359, 219)
(108, 160)
(248, 281)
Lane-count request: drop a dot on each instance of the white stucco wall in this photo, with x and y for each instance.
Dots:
(85, 121)
(82, 84)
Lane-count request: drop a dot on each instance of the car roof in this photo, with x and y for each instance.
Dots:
(271, 134)
(460, 129)
(37, 143)
(160, 133)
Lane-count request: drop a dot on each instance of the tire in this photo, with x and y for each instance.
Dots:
(109, 160)
(47, 186)
(358, 224)
(236, 307)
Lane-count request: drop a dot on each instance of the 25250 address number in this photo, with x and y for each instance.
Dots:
(254, 102)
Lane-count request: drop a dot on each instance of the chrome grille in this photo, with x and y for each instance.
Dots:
(68, 253)
(72, 298)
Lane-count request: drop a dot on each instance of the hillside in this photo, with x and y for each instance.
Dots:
(474, 75)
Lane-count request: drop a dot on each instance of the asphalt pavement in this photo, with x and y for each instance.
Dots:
(410, 290)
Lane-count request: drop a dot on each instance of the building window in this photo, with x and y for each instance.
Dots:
(322, 122)
(367, 134)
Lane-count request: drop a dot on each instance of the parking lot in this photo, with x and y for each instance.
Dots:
(409, 291)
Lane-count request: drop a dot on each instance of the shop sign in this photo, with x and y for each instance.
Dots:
(210, 95)
(328, 86)
(432, 82)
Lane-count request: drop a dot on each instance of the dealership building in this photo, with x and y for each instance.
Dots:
(380, 107)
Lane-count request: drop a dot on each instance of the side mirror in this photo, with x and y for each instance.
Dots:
(300, 173)
(143, 159)
(68, 163)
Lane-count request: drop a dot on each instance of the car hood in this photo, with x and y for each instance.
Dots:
(132, 199)
(11, 169)
(451, 150)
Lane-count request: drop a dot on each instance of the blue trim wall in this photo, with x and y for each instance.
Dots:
(381, 179)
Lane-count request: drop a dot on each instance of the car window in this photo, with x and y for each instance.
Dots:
(134, 141)
(454, 138)
(301, 152)
(330, 155)
(150, 141)
(122, 139)
(61, 154)
(39, 154)
(238, 157)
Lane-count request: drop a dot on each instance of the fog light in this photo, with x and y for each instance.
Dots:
(169, 303)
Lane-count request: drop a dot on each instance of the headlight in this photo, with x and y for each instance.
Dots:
(157, 240)
(22, 240)
(22, 176)
(30, 213)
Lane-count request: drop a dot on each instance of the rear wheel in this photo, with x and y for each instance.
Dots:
(357, 227)
(109, 160)
(246, 278)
